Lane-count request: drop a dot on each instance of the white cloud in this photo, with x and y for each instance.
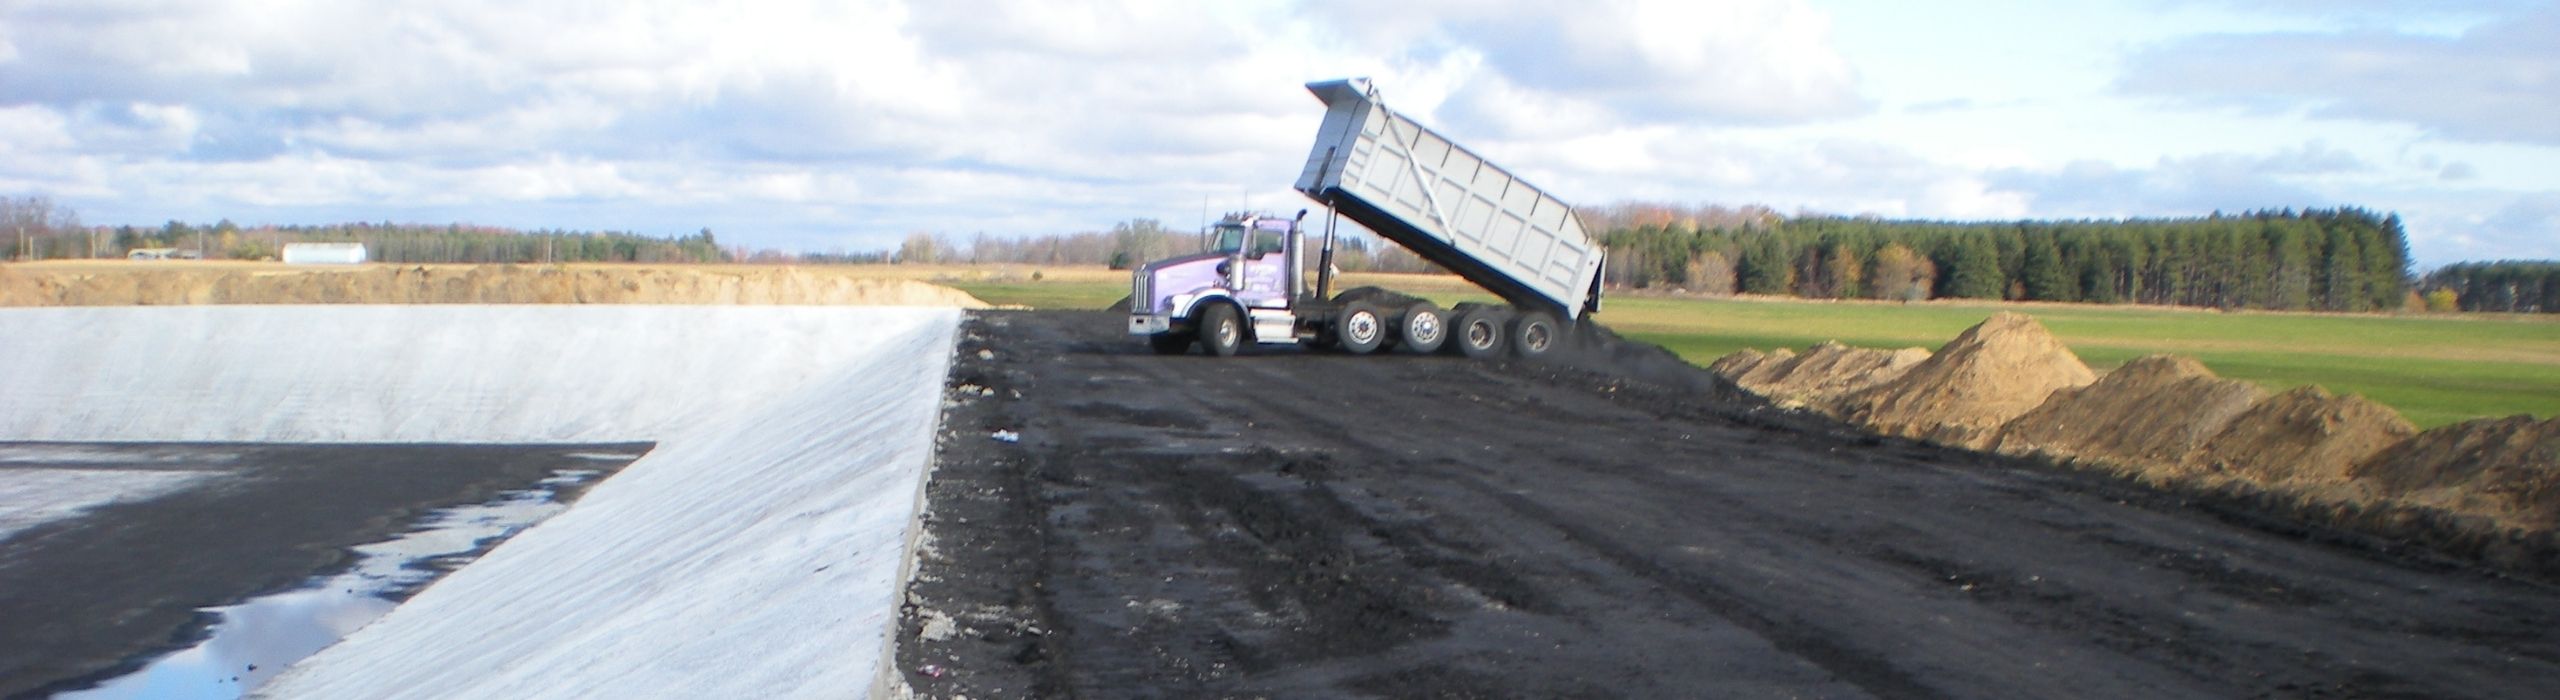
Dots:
(817, 124)
(1634, 61)
(2497, 82)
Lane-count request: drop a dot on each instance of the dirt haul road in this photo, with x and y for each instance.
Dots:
(1309, 525)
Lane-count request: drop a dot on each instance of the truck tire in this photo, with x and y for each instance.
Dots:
(1362, 328)
(1221, 330)
(1170, 343)
(1534, 334)
(1479, 333)
(1424, 328)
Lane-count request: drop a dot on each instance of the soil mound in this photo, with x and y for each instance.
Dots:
(1829, 370)
(467, 284)
(1768, 369)
(1733, 366)
(2304, 439)
(2146, 415)
(2503, 469)
(1961, 396)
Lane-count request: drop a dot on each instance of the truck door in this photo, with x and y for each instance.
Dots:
(1266, 266)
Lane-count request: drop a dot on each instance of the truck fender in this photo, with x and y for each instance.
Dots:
(1189, 306)
(1243, 316)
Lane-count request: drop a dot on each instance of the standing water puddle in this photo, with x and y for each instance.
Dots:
(257, 639)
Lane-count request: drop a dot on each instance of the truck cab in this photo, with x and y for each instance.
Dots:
(1254, 282)
(1245, 285)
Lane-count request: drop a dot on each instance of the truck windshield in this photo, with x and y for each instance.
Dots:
(1227, 238)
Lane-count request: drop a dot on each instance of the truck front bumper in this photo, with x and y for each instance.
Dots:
(1150, 324)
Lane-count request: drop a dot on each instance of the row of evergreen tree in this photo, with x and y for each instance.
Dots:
(2527, 286)
(2345, 259)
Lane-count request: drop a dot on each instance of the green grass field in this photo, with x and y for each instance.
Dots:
(2434, 369)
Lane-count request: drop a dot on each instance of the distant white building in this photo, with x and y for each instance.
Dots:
(324, 253)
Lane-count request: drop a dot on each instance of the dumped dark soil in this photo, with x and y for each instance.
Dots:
(1109, 523)
(93, 596)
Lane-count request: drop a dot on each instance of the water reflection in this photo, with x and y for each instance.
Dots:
(255, 640)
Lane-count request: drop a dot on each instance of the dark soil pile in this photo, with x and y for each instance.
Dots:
(1961, 396)
(2503, 469)
(2304, 440)
(2145, 416)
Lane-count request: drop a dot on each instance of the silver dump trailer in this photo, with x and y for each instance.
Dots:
(1252, 283)
(1449, 205)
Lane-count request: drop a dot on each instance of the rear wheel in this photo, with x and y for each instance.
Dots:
(1534, 334)
(1221, 331)
(1480, 332)
(1170, 343)
(1424, 328)
(1363, 329)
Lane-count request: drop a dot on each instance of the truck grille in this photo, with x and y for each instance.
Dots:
(1139, 301)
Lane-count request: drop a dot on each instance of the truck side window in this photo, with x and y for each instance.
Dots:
(1265, 243)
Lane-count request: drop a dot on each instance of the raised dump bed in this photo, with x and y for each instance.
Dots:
(1449, 205)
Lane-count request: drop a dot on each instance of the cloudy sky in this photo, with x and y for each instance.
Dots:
(845, 124)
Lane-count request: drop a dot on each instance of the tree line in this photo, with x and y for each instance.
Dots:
(42, 230)
(2525, 286)
(2343, 259)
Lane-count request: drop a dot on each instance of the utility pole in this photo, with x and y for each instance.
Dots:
(26, 251)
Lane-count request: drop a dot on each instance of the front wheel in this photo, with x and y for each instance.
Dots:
(1221, 331)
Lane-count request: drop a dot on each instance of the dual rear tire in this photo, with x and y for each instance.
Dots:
(1488, 332)
(1365, 328)
(1481, 331)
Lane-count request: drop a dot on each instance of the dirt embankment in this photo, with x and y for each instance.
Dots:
(464, 284)
(2009, 386)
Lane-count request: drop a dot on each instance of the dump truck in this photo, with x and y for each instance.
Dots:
(1251, 282)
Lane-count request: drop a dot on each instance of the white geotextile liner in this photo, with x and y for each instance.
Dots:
(755, 553)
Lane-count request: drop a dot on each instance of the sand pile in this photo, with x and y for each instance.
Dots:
(1961, 396)
(2008, 386)
(1767, 369)
(2147, 415)
(1824, 373)
(2303, 439)
(466, 284)
(1733, 366)
(2503, 469)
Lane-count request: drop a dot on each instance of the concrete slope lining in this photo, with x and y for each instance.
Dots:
(755, 553)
